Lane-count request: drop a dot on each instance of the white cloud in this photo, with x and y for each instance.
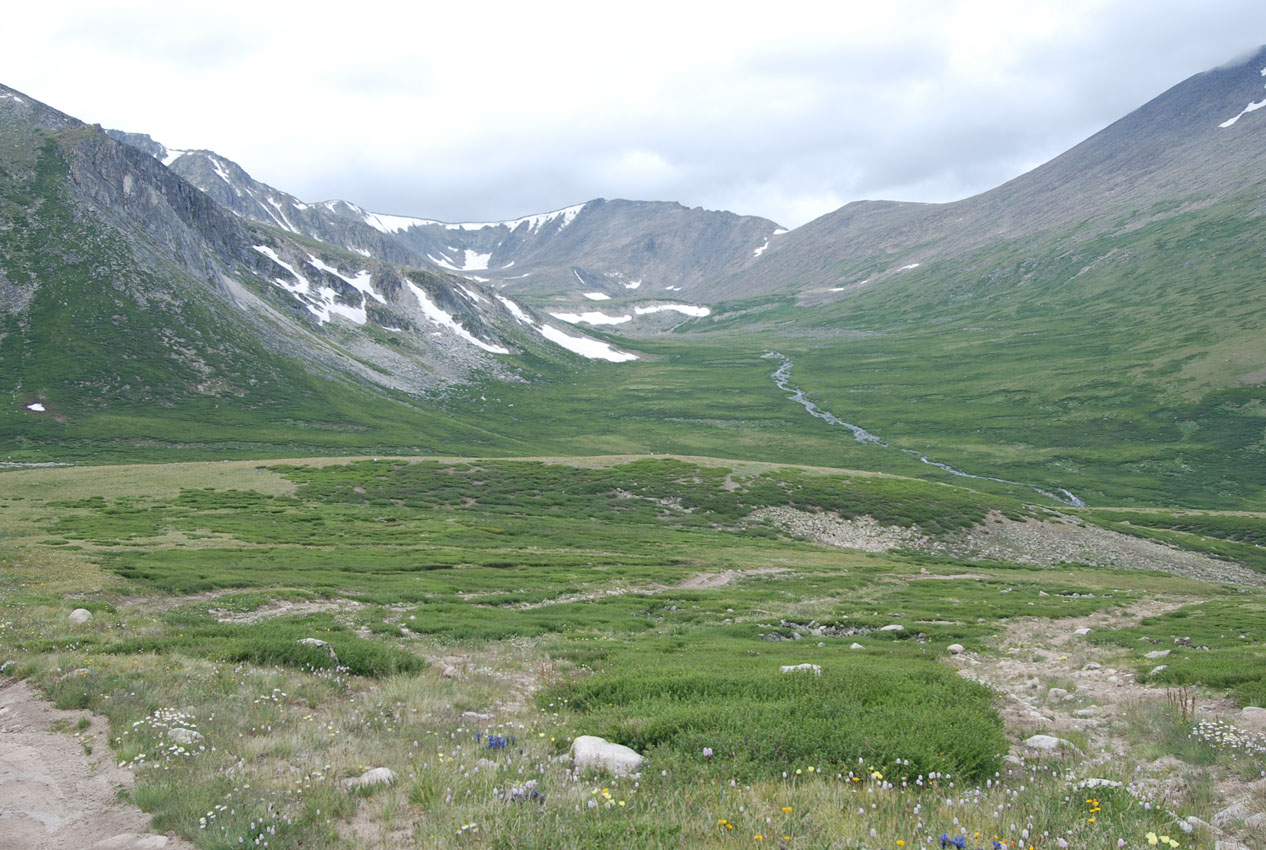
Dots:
(491, 112)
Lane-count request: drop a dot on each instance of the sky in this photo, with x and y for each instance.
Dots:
(493, 110)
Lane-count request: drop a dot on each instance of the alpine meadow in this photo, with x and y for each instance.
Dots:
(634, 524)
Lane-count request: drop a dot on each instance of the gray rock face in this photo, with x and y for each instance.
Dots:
(590, 752)
(1048, 743)
(183, 736)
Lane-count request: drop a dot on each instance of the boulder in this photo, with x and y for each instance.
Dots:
(857, 646)
(594, 753)
(954, 649)
(80, 616)
(1158, 653)
(321, 644)
(802, 668)
(1057, 694)
(1082, 631)
(894, 627)
(1158, 668)
(1232, 814)
(1048, 743)
(183, 736)
(372, 777)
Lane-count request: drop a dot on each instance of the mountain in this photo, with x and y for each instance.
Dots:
(129, 295)
(1195, 144)
(634, 249)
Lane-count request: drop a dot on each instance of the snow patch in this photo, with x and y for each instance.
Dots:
(633, 284)
(172, 155)
(591, 318)
(507, 265)
(437, 316)
(323, 301)
(780, 231)
(672, 289)
(761, 249)
(363, 252)
(361, 281)
(35, 406)
(907, 268)
(476, 261)
(388, 223)
(585, 347)
(595, 296)
(688, 309)
(219, 169)
(12, 97)
(470, 295)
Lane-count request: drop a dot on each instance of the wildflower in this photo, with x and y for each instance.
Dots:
(707, 752)
(1152, 839)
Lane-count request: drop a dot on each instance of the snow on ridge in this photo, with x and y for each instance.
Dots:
(389, 223)
(780, 231)
(396, 223)
(1252, 107)
(172, 155)
(219, 169)
(437, 316)
(688, 309)
(586, 347)
(11, 96)
(761, 249)
(515, 310)
(593, 317)
(596, 296)
(361, 282)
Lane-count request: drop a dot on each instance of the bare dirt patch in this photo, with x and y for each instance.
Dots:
(53, 793)
(282, 609)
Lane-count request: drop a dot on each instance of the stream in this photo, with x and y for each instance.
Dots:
(782, 378)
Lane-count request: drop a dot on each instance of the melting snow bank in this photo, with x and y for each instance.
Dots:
(439, 317)
(323, 301)
(595, 317)
(595, 296)
(584, 346)
(36, 407)
(781, 378)
(1252, 107)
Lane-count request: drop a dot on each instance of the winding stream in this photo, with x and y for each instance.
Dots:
(782, 378)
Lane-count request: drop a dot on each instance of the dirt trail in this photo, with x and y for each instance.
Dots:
(53, 794)
(1052, 680)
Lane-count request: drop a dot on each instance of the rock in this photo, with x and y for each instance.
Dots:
(807, 668)
(1084, 712)
(1033, 683)
(857, 646)
(954, 649)
(183, 736)
(1254, 823)
(821, 644)
(1232, 814)
(1159, 653)
(372, 777)
(320, 644)
(80, 616)
(1157, 669)
(1015, 761)
(130, 841)
(894, 627)
(1093, 665)
(448, 671)
(1196, 823)
(590, 751)
(1048, 743)
(1228, 843)
(1042, 593)
(1057, 694)
(1082, 631)
(525, 793)
(475, 715)
(1253, 715)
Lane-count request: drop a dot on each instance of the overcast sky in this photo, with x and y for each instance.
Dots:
(492, 110)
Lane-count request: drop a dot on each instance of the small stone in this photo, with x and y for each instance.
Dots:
(1093, 665)
(821, 644)
(448, 671)
(130, 841)
(1234, 813)
(1084, 712)
(857, 646)
(1157, 669)
(80, 616)
(1013, 760)
(475, 715)
(1159, 653)
(1082, 631)
(894, 627)
(799, 668)
(1057, 694)
(1042, 593)
(954, 649)
(372, 777)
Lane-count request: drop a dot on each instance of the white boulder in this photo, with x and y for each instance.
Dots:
(373, 776)
(80, 616)
(954, 649)
(183, 736)
(592, 752)
(798, 668)
(1048, 743)
(895, 627)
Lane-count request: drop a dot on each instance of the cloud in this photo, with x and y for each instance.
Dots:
(490, 112)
